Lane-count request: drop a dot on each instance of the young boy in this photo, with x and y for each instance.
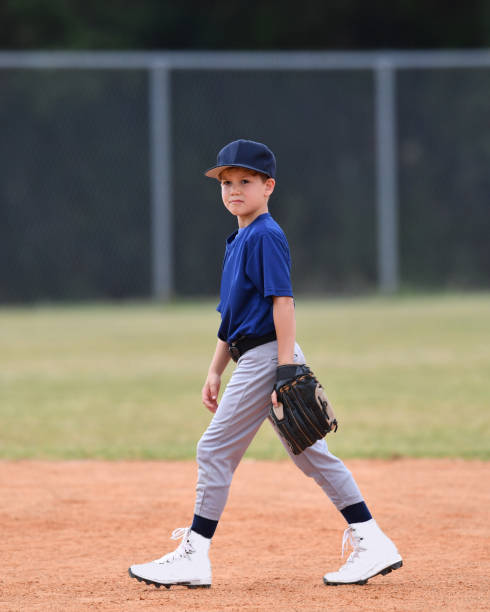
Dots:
(258, 332)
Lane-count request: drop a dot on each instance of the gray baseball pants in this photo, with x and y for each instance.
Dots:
(243, 408)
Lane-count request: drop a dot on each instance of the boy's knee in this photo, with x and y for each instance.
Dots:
(205, 452)
(202, 451)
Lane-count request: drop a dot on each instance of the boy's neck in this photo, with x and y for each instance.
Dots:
(247, 220)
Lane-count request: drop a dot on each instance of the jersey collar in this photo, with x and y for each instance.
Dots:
(232, 237)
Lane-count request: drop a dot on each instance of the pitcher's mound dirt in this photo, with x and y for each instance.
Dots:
(69, 531)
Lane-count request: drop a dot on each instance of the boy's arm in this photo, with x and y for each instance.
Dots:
(285, 324)
(211, 387)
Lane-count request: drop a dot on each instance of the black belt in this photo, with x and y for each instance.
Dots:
(244, 344)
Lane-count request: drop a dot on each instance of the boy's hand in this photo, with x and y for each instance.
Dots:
(285, 369)
(210, 392)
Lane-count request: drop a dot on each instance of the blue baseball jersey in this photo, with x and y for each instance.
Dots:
(256, 267)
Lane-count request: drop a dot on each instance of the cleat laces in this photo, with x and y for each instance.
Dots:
(184, 549)
(351, 540)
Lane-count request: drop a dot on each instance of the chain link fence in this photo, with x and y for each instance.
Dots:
(444, 178)
(77, 156)
(74, 216)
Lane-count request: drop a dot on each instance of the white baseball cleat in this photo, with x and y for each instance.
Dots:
(374, 553)
(188, 565)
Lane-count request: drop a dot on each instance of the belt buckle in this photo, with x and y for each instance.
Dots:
(234, 352)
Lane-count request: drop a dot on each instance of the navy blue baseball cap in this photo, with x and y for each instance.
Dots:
(245, 154)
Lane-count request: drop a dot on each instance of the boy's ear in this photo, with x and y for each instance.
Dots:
(270, 183)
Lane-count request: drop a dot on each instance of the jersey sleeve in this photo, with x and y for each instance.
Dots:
(269, 265)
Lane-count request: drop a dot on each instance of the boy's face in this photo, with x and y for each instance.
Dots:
(245, 194)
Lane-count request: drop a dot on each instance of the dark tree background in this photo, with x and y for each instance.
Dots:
(239, 24)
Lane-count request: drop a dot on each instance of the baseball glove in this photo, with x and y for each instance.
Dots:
(302, 414)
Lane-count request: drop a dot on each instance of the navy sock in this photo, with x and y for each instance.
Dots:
(203, 526)
(357, 513)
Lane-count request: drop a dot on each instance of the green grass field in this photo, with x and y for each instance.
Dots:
(408, 376)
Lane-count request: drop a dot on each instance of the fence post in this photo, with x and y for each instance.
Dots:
(160, 181)
(386, 177)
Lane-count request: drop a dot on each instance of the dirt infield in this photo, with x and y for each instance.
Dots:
(70, 530)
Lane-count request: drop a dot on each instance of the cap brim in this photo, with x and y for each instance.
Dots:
(215, 171)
